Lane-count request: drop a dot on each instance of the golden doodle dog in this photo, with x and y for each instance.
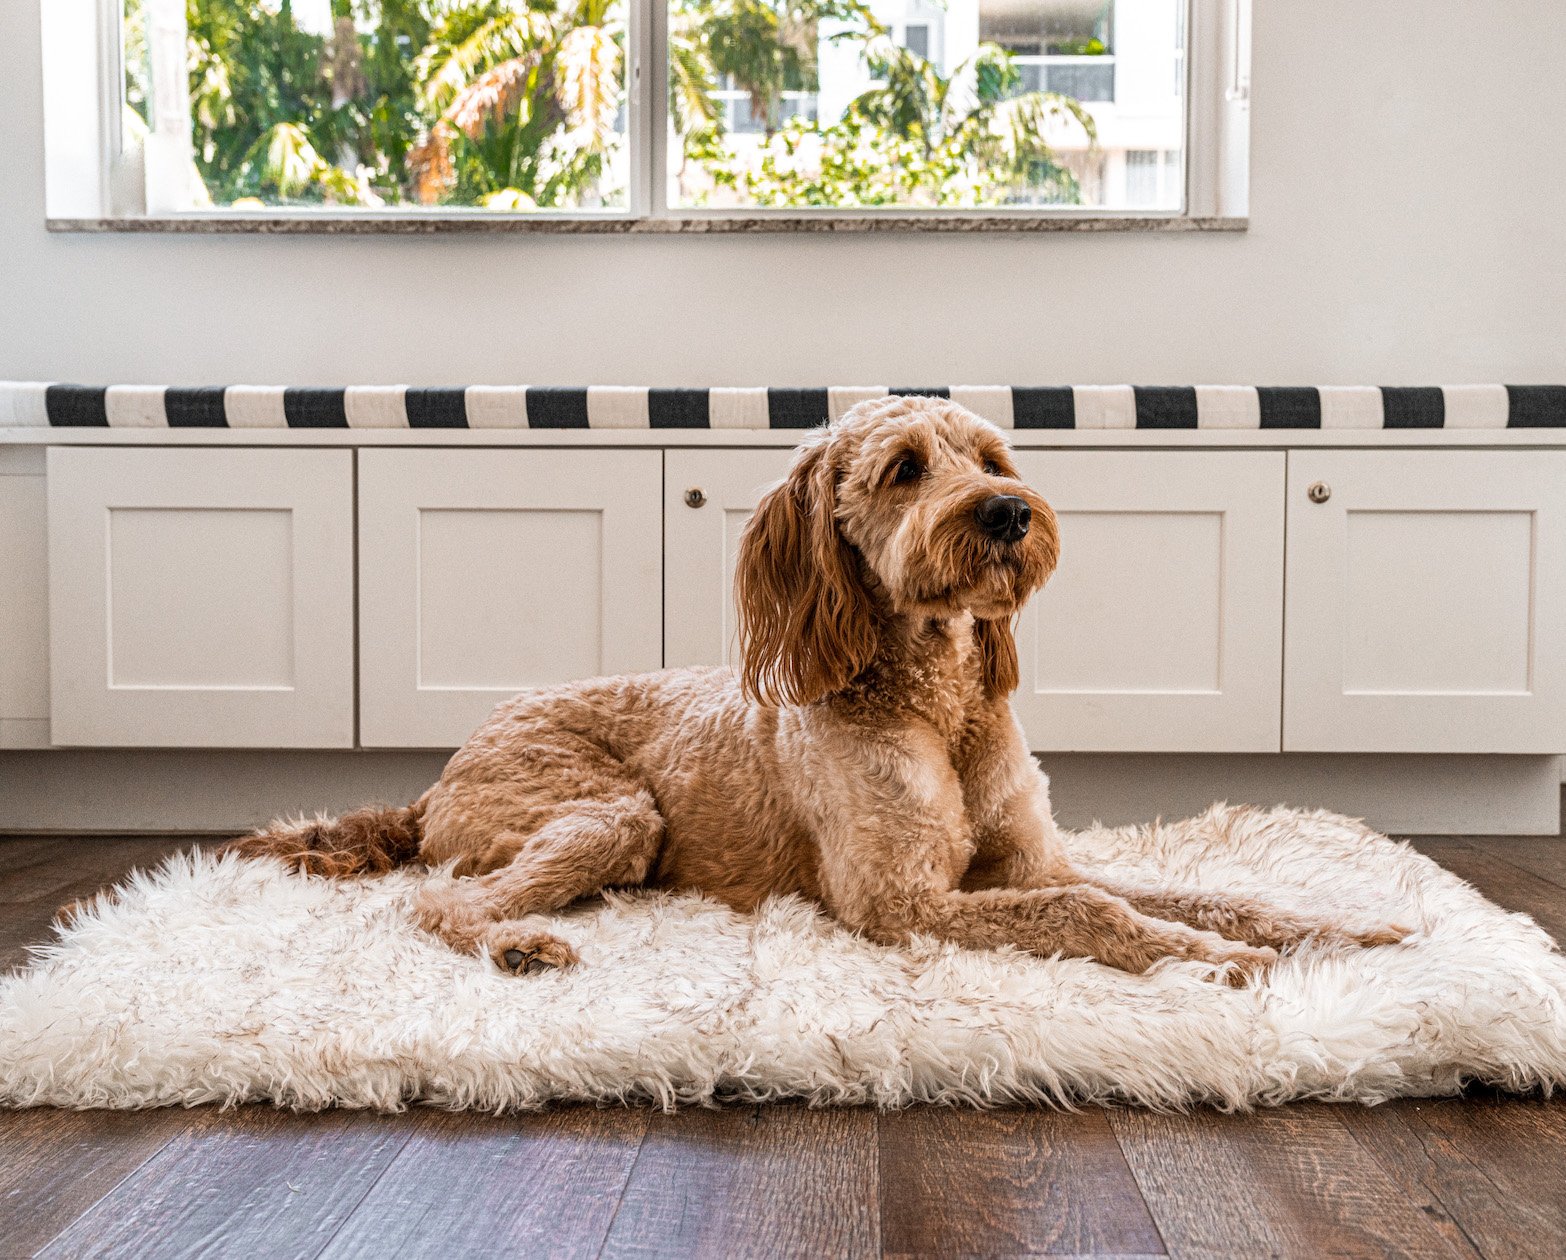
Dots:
(865, 756)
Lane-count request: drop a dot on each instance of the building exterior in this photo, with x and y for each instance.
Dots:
(1122, 59)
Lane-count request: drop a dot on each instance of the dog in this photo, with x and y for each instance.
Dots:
(865, 756)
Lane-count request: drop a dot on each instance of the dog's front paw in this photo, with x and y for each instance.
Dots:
(521, 951)
(1238, 963)
(452, 918)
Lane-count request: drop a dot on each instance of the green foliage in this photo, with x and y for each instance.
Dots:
(516, 104)
(921, 139)
(768, 47)
(1093, 47)
(259, 101)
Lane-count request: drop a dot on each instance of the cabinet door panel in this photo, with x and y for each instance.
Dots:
(1426, 602)
(487, 573)
(1162, 628)
(1173, 567)
(201, 598)
(24, 600)
(703, 543)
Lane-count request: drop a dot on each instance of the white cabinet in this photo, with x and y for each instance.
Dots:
(1426, 602)
(702, 543)
(486, 573)
(201, 598)
(205, 597)
(1162, 628)
(24, 600)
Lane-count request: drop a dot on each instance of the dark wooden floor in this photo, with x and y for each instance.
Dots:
(1483, 1175)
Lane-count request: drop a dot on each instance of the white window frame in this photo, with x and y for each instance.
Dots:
(90, 183)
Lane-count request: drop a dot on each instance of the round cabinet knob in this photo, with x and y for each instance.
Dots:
(1319, 492)
(694, 497)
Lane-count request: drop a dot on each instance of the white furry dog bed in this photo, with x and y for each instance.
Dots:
(221, 980)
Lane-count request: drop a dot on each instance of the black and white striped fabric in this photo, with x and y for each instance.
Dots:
(632, 407)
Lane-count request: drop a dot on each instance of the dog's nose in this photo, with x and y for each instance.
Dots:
(1004, 517)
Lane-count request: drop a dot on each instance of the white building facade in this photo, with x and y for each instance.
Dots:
(1123, 60)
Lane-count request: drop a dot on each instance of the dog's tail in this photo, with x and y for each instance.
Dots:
(367, 841)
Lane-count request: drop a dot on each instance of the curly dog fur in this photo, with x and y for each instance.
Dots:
(865, 756)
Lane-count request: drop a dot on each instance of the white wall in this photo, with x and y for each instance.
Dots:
(1407, 227)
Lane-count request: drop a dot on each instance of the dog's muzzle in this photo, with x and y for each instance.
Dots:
(1004, 517)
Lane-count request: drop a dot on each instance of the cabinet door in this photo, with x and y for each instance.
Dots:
(201, 598)
(487, 573)
(702, 544)
(1162, 628)
(1426, 602)
(24, 599)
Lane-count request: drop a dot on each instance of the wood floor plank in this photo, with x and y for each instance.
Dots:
(779, 1180)
(1023, 1182)
(60, 861)
(19, 851)
(1507, 885)
(54, 1165)
(21, 926)
(1290, 1182)
(1544, 858)
(74, 868)
(69, 870)
(527, 1185)
(1490, 1171)
(252, 1181)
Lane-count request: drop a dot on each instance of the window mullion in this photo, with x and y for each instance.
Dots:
(651, 138)
(644, 117)
(1217, 134)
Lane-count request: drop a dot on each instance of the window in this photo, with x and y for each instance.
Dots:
(1152, 179)
(542, 108)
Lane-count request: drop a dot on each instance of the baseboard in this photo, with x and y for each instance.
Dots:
(123, 791)
(197, 790)
(1433, 795)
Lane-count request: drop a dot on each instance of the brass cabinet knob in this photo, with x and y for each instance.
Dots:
(1318, 492)
(694, 497)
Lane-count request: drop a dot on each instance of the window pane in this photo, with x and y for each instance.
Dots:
(133, 58)
(927, 103)
(496, 104)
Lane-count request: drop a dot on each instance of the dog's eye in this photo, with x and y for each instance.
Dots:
(992, 469)
(909, 470)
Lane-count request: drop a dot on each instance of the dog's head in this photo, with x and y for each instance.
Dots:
(905, 507)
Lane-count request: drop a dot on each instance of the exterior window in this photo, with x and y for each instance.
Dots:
(1003, 103)
(568, 108)
(1151, 179)
(405, 103)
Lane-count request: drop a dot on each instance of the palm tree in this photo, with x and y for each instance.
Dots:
(526, 104)
(763, 47)
(976, 114)
(921, 138)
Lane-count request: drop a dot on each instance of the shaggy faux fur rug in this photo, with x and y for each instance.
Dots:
(220, 980)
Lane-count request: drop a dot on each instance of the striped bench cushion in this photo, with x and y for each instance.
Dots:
(632, 407)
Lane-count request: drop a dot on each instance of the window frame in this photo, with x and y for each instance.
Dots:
(92, 183)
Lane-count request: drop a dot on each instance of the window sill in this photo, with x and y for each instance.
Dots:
(350, 222)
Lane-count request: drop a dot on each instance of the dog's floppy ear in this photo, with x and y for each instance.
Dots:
(807, 627)
(997, 647)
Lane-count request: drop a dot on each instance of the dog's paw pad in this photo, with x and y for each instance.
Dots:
(528, 953)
